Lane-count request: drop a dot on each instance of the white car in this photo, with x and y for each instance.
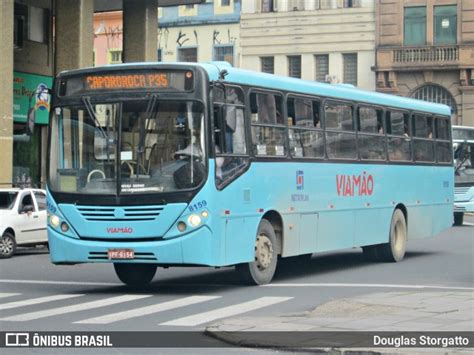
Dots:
(23, 219)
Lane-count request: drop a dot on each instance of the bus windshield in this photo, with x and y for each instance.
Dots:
(137, 146)
(464, 162)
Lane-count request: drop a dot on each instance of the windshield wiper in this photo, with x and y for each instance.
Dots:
(91, 112)
(143, 129)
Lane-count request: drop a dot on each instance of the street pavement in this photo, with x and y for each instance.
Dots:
(432, 289)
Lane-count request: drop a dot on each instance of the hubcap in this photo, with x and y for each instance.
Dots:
(263, 252)
(6, 246)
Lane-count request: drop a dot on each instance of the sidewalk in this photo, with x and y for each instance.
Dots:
(388, 311)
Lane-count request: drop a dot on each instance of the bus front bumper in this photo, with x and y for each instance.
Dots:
(462, 207)
(195, 248)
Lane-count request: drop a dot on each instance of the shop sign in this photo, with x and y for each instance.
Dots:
(23, 85)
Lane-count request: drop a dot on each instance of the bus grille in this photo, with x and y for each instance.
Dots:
(461, 190)
(142, 213)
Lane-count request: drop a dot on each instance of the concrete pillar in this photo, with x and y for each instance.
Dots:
(6, 92)
(74, 34)
(140, 31)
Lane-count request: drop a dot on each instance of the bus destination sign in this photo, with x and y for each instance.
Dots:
(145, 80)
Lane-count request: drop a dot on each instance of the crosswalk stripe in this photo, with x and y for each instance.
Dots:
(6, 294)
(33, 301)
(142, 311)
(74, 308)
(224, 312)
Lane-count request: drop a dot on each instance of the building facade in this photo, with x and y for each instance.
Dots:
(425, 50)
(200, 33)
(108, 38)
(33, 67)
(323, 40)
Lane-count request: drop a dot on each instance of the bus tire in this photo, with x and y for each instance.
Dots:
(261, 270)
(135, 274)
(7, 245)
(395, 249)
(458, 218)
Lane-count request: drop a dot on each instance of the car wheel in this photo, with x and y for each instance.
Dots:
(135, 274)
(261, 270)
(7, 245)
(458, 218)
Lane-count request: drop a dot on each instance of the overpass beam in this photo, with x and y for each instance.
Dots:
(140, 31)
(74, 34)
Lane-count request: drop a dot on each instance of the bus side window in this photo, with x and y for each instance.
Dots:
(423, 145)
(398, 130)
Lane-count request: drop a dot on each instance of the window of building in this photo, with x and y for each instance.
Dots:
(350, 68)
(437, 94)
(187, 54)
(115, 56)
(322, 66)
(225, 2)
(351, 3)
(268, 129)
(445, 24)
(414, 26)
(30, 23)
(224, 53)
(267, 64)
(296, 5)
(160, 54)
(294, 66)
(267, 5)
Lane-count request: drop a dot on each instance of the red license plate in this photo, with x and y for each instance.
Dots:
(121, 253)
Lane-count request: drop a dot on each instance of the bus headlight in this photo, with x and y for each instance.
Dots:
(54, 220)
(194, 220)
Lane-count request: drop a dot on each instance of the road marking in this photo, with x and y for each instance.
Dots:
(5, 294)
(74, 283)
(370, 285)
(143, 311)
(36, 301)
(74, 308)
(469, 224)
(224, 312)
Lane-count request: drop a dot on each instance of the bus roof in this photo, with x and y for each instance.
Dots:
(336, 91)
(271, 81)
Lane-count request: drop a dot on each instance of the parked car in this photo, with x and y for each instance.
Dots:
(23, 219)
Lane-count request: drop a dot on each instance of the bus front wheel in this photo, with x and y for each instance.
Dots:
(261, 270)
(458, 218)
(135, 274)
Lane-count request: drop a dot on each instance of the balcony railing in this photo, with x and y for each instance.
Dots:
(445, 54)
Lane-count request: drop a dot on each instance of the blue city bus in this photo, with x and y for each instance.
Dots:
(158, 164)
(463, 142)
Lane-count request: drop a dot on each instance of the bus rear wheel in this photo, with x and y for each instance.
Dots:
(458, 218)
(261, 270)
(395, 249)
(135, 274)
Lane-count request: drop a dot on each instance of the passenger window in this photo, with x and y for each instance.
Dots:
(40, 200)
(340, 145)
(370, 120)
(398, 123)
(268, 130)
(442, 129)
(229, 135)
(306, 143)
(303, 113)
(399, 142)
(266, 108)
(422, 126)
(338, 117)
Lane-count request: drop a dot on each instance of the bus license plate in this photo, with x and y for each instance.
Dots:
(121, 253)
